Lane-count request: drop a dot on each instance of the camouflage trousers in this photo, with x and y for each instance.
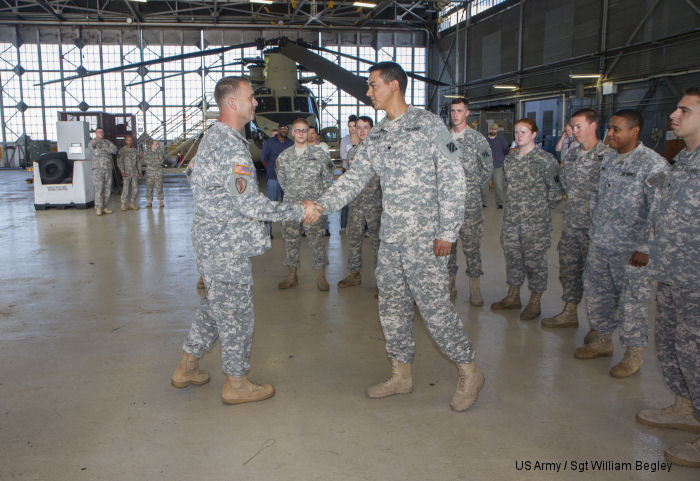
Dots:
(470, 234)
(617, 295)
(315, 233)
(357, 217)
(130, 188)
(573, 249)
(678, 340)
(411, 272)
(225, 312)
(102, 181)
(525, 247)
(154, 178)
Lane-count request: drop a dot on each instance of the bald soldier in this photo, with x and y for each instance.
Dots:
(228, 228)
(423, 191)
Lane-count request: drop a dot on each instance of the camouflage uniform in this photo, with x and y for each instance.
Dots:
(675, 255)
(423, 193)
(579, 174)
(303, 177)
(533, 189)
(366, 207)
(129, 163)
(153, 160)
(228, 229)
(617, 293)
(475, 154)
(102, 151)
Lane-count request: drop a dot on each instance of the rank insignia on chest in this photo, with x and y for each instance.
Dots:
(452, 147)
(241, 184)
(241, 169)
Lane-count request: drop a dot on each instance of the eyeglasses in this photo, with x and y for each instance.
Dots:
(300, 131)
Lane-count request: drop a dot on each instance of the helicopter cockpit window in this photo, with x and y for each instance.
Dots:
(266, 104)
(285, 104)
(302, 104)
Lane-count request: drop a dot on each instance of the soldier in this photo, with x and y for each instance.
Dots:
(476, 159)
(423, 193)
(616, 278)
(303, 172)
(102, 150)
(129, 165)
(228, 229)
(365, 208)
(153, 159)
(580, 171)
(532, 191)
(675, 257)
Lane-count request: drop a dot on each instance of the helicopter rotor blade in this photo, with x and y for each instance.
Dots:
(201, 53)
(341, 78)
(359, 59)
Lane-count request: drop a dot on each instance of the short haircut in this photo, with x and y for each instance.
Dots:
(460, 100)
(352, 118)
(300, 121)
(590, 114)
(530, 124)
(632, 117)
(695, 91)
(390, 71)
(226, 87)
(367, 119)
(312, 127)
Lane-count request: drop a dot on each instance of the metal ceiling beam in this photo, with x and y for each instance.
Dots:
(48, 9)
(133, 12)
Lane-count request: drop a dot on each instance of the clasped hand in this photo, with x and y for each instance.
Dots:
(312, 211)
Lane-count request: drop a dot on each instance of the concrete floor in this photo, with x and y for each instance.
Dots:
(94, 310)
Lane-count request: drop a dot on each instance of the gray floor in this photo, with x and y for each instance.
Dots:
(94, 310)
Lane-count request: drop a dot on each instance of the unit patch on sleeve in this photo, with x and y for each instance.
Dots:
(241, 184)
(241, 169)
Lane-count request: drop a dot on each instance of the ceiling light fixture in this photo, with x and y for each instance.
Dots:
(585, 75)
(364, 4)
(262, 1)
(505, 87)
(453, 96)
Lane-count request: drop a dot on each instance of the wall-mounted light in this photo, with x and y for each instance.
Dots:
(585, 75)
(364, 4)
(505, 87)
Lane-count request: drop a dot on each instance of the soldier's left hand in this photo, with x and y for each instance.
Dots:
(442, 248)
(639, 259)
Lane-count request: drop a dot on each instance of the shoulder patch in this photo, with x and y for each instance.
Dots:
(241, 169)
(241, 185)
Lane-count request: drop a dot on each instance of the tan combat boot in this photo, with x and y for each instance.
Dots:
(601, 346)
(471, 380)
(133, 206)
(200, 283)
(687, 454)
(400, 382)
(123, 207)
(321, 281)
(352, 279)
(475, 298)
(533, 308)
(105, 210)
(239, 390)
(98, 210)
(290, 280)
(511, 301)
(453, 287)
(149, 204)
(630, 363)
(568, 317)
(161, 204)
(678, 415)
(591, 336)
(188, 373)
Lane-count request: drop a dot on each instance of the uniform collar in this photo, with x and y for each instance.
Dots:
(230, 131)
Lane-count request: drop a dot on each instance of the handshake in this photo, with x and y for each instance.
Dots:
(312, 211)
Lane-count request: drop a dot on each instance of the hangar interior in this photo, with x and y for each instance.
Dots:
(94, 310)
